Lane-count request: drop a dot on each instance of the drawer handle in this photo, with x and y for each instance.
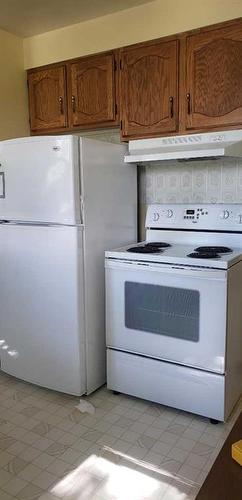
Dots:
(189, 104)
(73, 103)
(61, 105)
(171, 100)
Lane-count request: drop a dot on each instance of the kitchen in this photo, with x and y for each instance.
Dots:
(48, 60)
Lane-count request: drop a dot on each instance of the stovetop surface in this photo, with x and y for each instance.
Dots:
(176, 253)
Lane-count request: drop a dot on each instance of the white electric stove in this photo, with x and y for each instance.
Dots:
(174, 310)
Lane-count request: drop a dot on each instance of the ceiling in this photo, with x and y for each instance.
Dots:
(31, 17)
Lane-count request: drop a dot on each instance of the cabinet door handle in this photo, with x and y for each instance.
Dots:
(61, 105)
(189, 105)
(73, 103)
(171, 100)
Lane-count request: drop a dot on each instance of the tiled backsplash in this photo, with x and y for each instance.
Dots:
(207, 181)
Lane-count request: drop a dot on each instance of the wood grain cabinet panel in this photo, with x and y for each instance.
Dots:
(92, 90)
(47, 99)
(149, 89)
(190, 82)
(214, 78)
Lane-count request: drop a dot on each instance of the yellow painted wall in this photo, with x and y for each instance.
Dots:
(13, 91)
(145, 22)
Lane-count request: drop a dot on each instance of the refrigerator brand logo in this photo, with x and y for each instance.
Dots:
(56, 148)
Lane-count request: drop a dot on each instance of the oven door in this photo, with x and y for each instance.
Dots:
(173, 313)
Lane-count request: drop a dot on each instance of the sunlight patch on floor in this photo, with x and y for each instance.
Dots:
(130, 479)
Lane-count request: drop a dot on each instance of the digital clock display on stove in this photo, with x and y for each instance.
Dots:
(190, 212)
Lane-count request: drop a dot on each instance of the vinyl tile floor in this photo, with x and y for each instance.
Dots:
(129, 449)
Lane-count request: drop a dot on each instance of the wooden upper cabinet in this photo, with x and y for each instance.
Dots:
(149, 89)
(92, 90)
(47, 98)
(213, 92)
(190, 82)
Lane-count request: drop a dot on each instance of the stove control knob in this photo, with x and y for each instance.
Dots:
(169, 213)
(238, 219)
(156, 217)
(224, 214)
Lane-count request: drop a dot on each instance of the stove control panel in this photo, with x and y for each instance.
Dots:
(195, 213)
(190, 216)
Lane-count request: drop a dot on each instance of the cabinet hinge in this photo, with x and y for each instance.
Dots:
(116, 109)
(121, 124)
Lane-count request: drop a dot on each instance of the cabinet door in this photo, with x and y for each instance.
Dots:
(214, 78)
(92, 92)
(149, 95)
(47, 98)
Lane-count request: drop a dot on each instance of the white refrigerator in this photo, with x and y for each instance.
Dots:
(64, 200)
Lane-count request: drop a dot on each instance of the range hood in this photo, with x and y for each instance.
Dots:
(213, 145)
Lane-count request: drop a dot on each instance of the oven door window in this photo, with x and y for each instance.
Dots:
(164, 310)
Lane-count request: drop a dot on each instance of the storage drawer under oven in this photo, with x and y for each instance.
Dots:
(191, 390)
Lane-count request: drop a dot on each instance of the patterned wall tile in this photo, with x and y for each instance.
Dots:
(150, 185)
(229, 182)
(198, 197)
(205, 181)
(199, 177)
(142, 184)
(214, 184)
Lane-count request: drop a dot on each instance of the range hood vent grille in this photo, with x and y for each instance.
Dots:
(214, 145)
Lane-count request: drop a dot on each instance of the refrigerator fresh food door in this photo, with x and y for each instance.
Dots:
(41, 306)
(39, 180)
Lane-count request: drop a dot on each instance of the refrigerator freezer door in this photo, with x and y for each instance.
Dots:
(41, 306)
(39, 178)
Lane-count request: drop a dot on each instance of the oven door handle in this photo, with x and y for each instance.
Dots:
(195, 272)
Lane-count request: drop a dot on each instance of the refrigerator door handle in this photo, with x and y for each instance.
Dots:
(2, 185)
